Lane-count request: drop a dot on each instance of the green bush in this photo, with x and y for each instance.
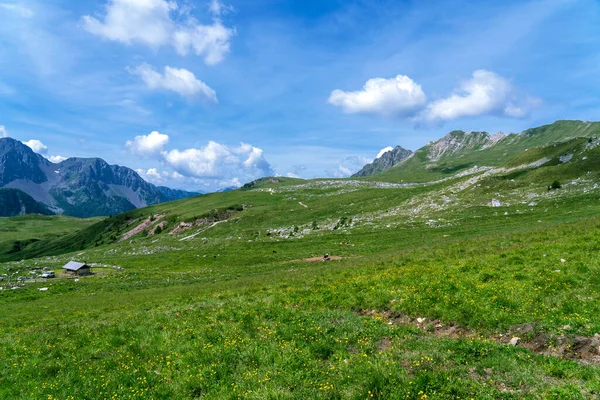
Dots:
(554, 186)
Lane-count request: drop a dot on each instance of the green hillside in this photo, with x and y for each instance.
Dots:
(227, 296)
(477, 149)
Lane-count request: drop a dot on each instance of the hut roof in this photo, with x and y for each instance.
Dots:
(74, 266)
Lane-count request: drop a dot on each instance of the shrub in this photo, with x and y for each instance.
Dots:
(554, 186)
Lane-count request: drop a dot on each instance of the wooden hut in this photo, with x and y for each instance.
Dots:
(77, 268)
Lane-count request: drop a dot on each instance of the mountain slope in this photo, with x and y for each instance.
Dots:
(386, 161)
(459, 150)
(80, 187)
(14, 202)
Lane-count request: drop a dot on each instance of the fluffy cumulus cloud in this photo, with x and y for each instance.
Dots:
(157, 177)
(384, 150)
(177, 80)
(148, 145)
(42, 149)
(3, 131)
(36, 146)
(399, 96)
(485, 93)
(218, 161)
(214, 165)
(158, 23)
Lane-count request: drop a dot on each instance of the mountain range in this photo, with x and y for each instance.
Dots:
(460, 150)
(78, 187)
(87, 187)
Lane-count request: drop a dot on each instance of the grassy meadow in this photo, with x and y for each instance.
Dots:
(422, 304)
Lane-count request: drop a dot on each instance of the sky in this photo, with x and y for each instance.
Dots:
(202, 95)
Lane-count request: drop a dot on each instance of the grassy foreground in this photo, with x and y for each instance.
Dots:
(236, 313)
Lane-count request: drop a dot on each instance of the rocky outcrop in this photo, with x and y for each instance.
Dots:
(458, 141)
(386, 161)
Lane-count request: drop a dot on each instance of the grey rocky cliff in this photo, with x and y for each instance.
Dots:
(386, 161)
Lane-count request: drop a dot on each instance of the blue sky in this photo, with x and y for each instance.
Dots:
(206, 94)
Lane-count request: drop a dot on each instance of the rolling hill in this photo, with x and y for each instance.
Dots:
(460, 272)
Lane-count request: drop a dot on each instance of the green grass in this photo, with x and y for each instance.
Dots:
(246, 324)
(236, 312)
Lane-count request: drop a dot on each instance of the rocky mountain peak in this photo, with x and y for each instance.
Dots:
(457, 141)
(81, 187)
(386, 161)
(19, 162)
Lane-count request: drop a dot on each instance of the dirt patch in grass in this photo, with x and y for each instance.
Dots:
(384, 344)
(573, 347)
(142, 226)
(316, 259)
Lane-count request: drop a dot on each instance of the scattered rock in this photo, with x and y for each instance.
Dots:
(514, 341)
(562, 260)
(421, 320)
(496, 203)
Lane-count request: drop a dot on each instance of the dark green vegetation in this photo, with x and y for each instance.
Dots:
(14, 202)
(220, 302)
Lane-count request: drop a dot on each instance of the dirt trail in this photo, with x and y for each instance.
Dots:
(202, 230)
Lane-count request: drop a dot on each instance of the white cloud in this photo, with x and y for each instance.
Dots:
(157, 177)
(177, 80)
(218, 161)
(485, 93)
(217, 8)
(348, 166)
(57, 159)
(148, 145)
(36, 146)
(19, 9)
(40, 148)
(214, 165)
(383, 151)
(3, 131)
(151, 22)
(388, 97)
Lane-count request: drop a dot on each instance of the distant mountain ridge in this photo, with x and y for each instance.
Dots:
(459, 150)
(385, 161)
(79, 187)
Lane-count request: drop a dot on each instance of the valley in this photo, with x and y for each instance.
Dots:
(459, 272)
